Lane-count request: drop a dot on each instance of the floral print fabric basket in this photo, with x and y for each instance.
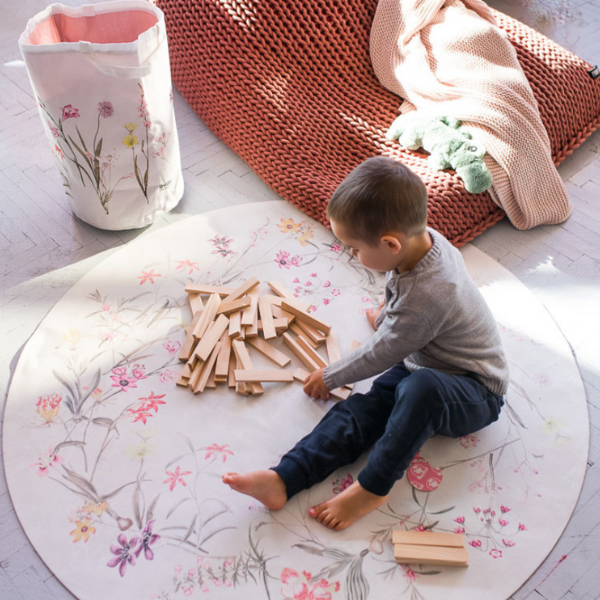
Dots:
(102, 82)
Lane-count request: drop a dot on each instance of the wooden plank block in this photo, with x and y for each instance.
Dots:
(203, 288)
(429, 538)
(263, 376)
(249, 314)
(279, 313)
(299, 331)
(186, 371)
(231, 374)
(207, 368)
(227, 308)
(279, 358)
(304, 317)
(252, 330)
(266, 316)
(279, 289)
(211, 383)
(222, 366)
(333, 347)
(190, 341)
(303, 343)
(408, 554)
(315, 335)
(306, 360)
(280, 325)
(278, 300)
(235, 325)
(182, 381)
(208, 342)
(339, 393)
(241, 353)
(242, 289)
(208, 315)
(196, 303)
(196, 372)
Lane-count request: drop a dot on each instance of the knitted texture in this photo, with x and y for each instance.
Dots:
(449, 57)
(289, 86)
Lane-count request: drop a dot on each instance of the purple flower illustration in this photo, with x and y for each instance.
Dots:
(105, 109)
(148, 538)
(222, 245)
(124, 553)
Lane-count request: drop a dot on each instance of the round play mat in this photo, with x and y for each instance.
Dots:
(115, 472)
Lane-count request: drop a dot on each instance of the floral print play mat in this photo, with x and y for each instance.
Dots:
(115, 472)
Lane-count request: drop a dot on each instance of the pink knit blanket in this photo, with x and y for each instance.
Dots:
(449, 57)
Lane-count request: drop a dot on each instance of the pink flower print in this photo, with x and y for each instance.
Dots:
(508, 543)
(216, 449)
(475, 543)
(420, 528)
(123, 381)
(120, 370)
(148, 276)
(54, 131)
(468, 441)
(45, 463)
(105, 109)
(460, 520)
(222, 245)
(296, 261)
(476, 510)
(522, 527)
(59, 152)
(308, 283)
(172, 347)
(313, 274)
(168, 376)
(339, 485)
(493, 513)
(335, 292)
(282, 259)
(138, 371)
(486, 511)
(496, 553)
(182, 265)
(336, 248)
(68, 112)
(106, 307)
(505, 509)
(296, 280)
(409, 574)
(326, 284)
(176, 477)
(188, 591)
(302, 587)
(502, 522)
(48, 407)
(107, 336)
(326, 301)
(124, 553)
(459, 530)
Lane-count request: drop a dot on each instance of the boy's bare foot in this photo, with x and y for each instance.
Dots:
(266, 486)
(349, 506)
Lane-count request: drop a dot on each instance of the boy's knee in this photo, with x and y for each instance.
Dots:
(423, 387)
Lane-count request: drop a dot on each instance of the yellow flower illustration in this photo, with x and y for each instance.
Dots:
(70, 337)
(303, 239)
(131, 127)
(97, 509)
(83, 530)
(130, 141)
(48, 407)
(552, 425)
(288, 226)
(139, 451)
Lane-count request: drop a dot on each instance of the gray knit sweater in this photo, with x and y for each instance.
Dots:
(434, 317)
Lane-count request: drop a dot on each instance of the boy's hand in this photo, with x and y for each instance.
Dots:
(315, 387)
(373, 313)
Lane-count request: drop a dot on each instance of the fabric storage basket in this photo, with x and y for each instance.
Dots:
(102, 81)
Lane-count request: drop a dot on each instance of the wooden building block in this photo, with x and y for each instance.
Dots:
(196, 303)
(249, 314)
(209, 340)
(304, 317)
(315, 335)
(280, 290)
(306, 360)
(279, 358)
(207, 368)
(263, 376)
(279, 313)
(190, 341)
(231, 374)
(203, 288)
(235, 325)
(431, 555)
(186, 371)
(182, 381)
(299, 331)
(333, 347)
(266, 316)
(196, 372)
(252, 330)
(242, 289)
(245, 362)
(227, 308)
(222, 366)
(280, 325)
(212, 382)
(207, 316)
(339, 393)
(303, 343)
(429, 538)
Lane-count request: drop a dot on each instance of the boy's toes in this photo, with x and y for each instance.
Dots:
(315, 511)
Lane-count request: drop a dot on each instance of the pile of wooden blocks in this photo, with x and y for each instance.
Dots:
(429, 548)
(215, 349)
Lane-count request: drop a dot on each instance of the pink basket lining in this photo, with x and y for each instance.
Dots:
(106, 28)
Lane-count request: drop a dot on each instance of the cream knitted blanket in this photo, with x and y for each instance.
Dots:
(449, 57)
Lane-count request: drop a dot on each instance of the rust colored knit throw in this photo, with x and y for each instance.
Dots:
(289, 86)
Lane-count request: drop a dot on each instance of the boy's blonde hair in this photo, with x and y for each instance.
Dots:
(380, 195)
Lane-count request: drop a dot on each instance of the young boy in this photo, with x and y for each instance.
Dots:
(434, 332)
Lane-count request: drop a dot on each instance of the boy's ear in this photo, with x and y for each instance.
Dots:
(392, 243)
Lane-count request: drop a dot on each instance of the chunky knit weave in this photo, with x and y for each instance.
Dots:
(449, 57)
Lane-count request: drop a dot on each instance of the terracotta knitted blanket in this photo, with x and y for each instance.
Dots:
(448, 56)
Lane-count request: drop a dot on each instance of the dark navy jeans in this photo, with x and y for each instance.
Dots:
(397, 416)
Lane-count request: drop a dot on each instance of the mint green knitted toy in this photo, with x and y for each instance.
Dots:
(449, 145)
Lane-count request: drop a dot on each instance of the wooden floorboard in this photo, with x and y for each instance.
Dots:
(45, 250)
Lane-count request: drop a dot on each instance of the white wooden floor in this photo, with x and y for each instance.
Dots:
(45, 250)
